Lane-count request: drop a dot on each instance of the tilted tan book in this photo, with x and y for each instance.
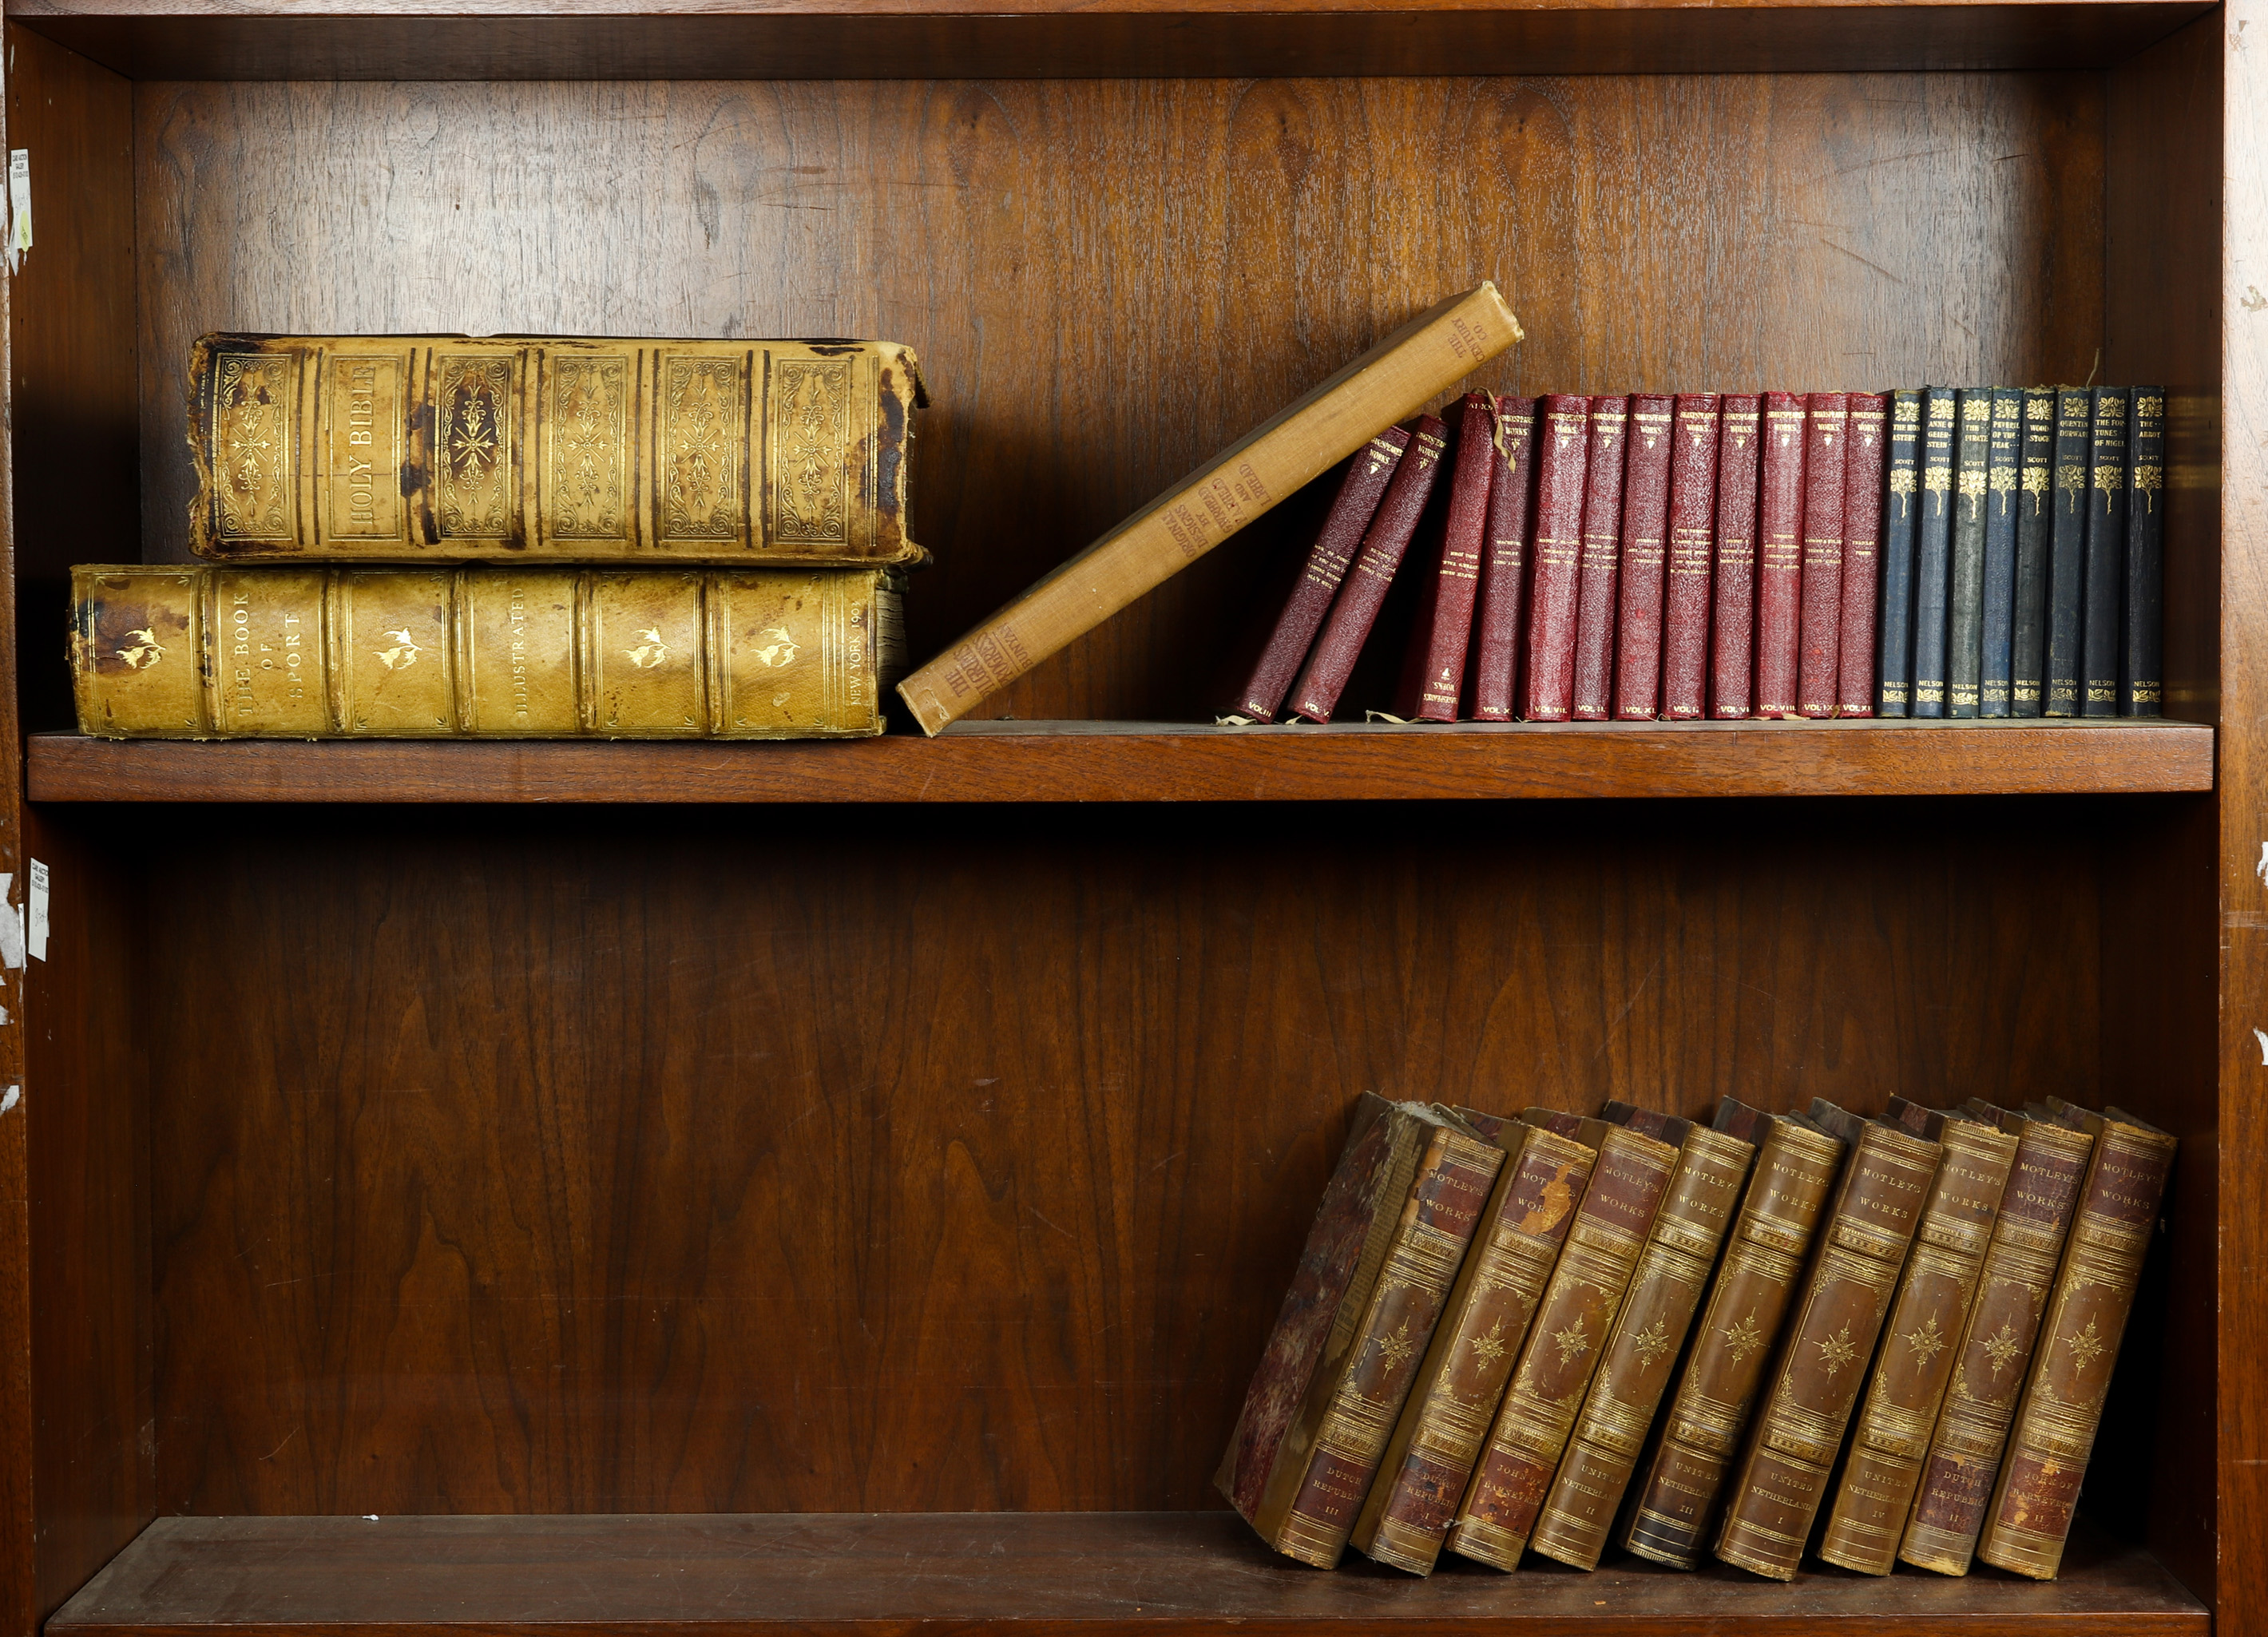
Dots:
(454, 448)
(1431, 353)
(165, 653)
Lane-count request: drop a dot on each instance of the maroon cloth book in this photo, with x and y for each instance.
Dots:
(1862, 538)
(1732, 611)
(1562, 452)
(1685, 603)
(1780, 553)
(1360, 489)
(1645, 527)
(1504, 565)
(1434, 667)
(1356, 608)
(1819, 639)
(1603, 537)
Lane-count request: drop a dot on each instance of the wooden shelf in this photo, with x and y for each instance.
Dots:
(1152, 1573)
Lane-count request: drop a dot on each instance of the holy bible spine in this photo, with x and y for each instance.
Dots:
(447, 449)
(268, 653)
(1430, 1460)
(1395, 379)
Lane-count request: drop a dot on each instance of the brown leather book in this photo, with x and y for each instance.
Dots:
(1918, 1350)
(1995, 1351)
(2055, 1426)
(1530, 1430)
(1781, 1480)
(1386, 1244)
(449, 448)
(1681, 1482)
(271, 652)
(1648, 1337)
(1482, 1327)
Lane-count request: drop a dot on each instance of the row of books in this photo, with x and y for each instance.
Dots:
(1978, 552)
(1890, 1339)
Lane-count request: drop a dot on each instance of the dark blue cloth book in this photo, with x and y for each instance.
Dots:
(2067, 550)
(2104, 574)
(2141, 678)
(2035, 488)
(1998, 625)
(1933, 551)
(1964, 618)
(1894, 606)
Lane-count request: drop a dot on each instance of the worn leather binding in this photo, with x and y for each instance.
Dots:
(2028, 647)
(1733, 613)
(1504, 567)
(1648, 1337)
(1430, 1459)
(1587, 1286)
(1360, 489)
(440, 652)
(449, 448)
(1995, 1351)
(2054, 1430)
(1355, 610)
(1918, 1349)
(1681, 1482)
(2067, 551)
(1563, 457)
(1782, 1476)
(1645, 558)
(2003, 467)
(1433, 665)
(2141, 656)
(1862, 530)
(1934, 553)
(1602, 560)
(1964, 608)
(1901, 511)
(1779, 554)
(1819, 632)
(2105, 569)
(1685, 604)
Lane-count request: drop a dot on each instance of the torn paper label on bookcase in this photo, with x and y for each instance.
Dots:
(36, 932)
(11, 925)
(20, 206)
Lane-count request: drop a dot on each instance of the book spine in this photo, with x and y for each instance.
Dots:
(2003, 461)
(1933, 553)
(1595, 592)
(1732, 611)
(1964, 614)
(1779, 554)
(1433, 670)
(1678, 1488)
(1395, 379)
(1555, 565)
(1685, 605)
(2104, 573)
(1776, 1494)
(1384, 544)
(2142, 663)
(2028, 661)
(1644, 562)
(1911, 1370)
(1826, 471)
(1504, 567)
(1555, 1366)
(1862, 533)
(2067, 552)
(2054, 1430)
(1894, 651)
(1360, 489)
(1647, 1339)
(1995, 1351)
(269, 653)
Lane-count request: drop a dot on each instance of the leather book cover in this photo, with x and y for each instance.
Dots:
(1779, 554)
(1363, 592)
(1692, 511)
(1818, 626)
(1918, 1352)
(1934, 553)
(1586, 1291)
(1994, 1353)
(1494, 671)
(1434, 667)
(1563, 458)
(2067, 550)
(2104, 571)
(1681, 1482)
(2028, 647)
(1360, 489)
(1732, 597)
(2053, 1432)
(1894, 641)
(1648, 1338)
(1781, 1479)
(2003, 466)
(2141, 656)
(268, 653)
(453, 448)
(1862, 534)
(1482, 1330)
(1964, 607)
(1637, 680)
(1596, 588)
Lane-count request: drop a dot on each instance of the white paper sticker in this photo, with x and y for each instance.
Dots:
(38, 939)
(11, 924)
(19, 205)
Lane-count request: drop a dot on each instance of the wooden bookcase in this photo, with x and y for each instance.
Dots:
(482, 1189)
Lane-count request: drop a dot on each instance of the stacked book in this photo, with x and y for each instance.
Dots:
(581, 538)
(1890, 1339)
